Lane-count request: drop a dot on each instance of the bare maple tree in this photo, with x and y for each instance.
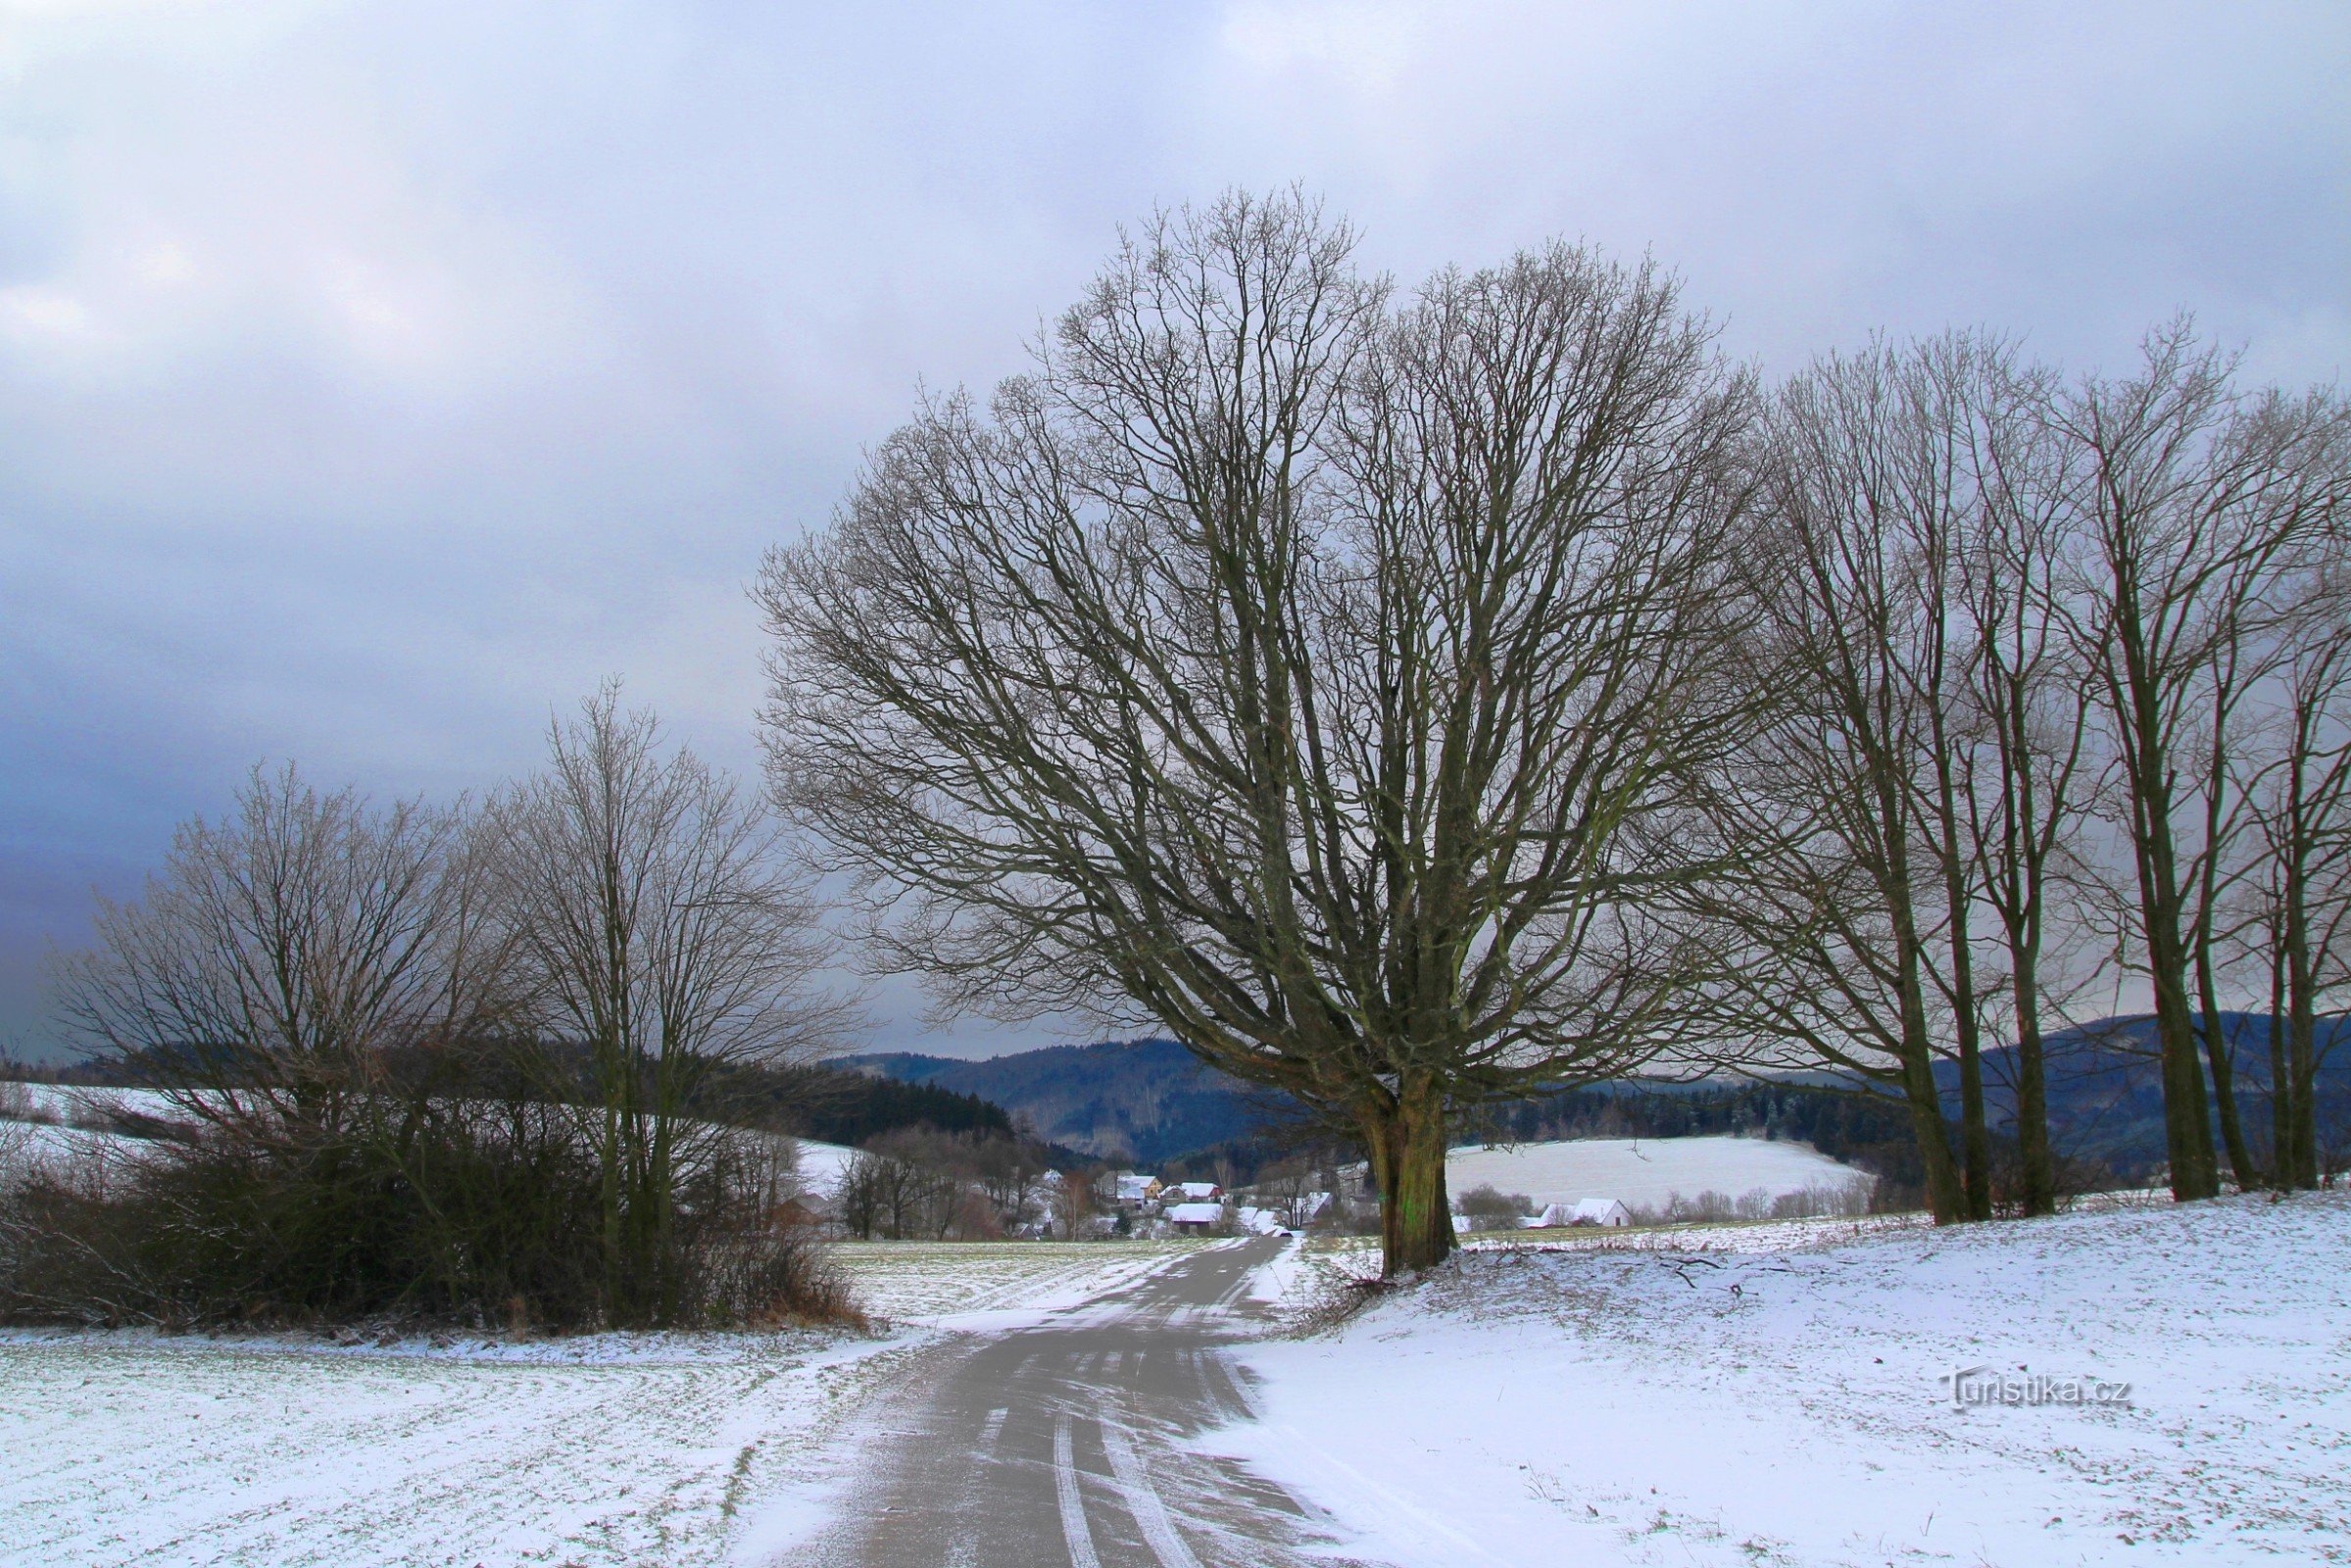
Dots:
(2027, 765)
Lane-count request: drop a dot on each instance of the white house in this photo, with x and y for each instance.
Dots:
(1197, 1192)
(1584, 1211)
(1194, 1216)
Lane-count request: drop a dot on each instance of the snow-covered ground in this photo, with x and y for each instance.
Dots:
(132, 1448)
(74, 1104)
(1645, 1172)
(137, 1447)
(972, 1284)
(1786, 1399)
(821, 1165)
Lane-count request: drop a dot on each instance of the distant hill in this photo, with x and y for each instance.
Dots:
(836, 1107)
(1152, 1102)
(1140, 1102)
(2106, 1087)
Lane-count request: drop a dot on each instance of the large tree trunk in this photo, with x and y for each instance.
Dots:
(2218, 1053)
(1974, 1136)
(2187, 1122)
(1407, 1138)
(2281, 1083)
(2032, 1088)
(1946, 1191)
(2302, 1026)
(2187, 1128)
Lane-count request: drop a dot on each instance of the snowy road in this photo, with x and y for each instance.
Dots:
(1063, 1440)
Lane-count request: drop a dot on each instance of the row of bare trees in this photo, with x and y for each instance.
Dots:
(2060, 698)
(1411, 699)
(378, 999)
(917, 1182)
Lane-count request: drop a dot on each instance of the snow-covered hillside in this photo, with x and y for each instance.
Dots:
(821, 1164)
(1645, 1172)
(1705, 1407)
(68, 1122)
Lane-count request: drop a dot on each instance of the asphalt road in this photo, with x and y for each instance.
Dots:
(1061, 1444)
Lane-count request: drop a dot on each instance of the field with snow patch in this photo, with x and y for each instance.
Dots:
(1645, 1172)
(1780, 1397)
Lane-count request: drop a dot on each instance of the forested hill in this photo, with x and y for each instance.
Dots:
(2106, 1087)
(1149, 1101)
(1140, 1101)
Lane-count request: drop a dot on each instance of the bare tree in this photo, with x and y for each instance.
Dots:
(858, 1195)
(1311, 676)
(659, 926)
(2194, 497)
(266, 974)
(1845, 889)
(2028, 767)
(2298, 785)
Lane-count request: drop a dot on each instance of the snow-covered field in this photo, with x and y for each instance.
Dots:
(821, 1164)
(1750, 1404)
(132, 1448)
(137, 1447)
(961, 1282)
(1645, 1172)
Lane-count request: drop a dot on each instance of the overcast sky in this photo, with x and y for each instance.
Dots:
(374, 376)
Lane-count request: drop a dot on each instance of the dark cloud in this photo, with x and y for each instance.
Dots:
(373, 376)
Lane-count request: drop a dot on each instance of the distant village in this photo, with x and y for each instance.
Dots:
(1139, 1204)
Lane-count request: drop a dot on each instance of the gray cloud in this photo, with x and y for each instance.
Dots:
(373, 376)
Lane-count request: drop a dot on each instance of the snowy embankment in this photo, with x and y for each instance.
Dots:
(1744, 1404)
(1646, 1172)
(137, 1448)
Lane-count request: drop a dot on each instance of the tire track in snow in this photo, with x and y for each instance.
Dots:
(1142, 1500)
(1074, 1530)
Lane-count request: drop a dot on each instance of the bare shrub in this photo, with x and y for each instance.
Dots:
(1489, 1208)
(1841, 1200)
(480, 1212)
